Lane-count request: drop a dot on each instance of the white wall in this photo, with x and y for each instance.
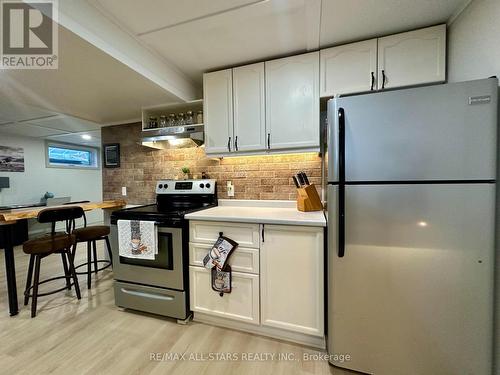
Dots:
(29, 186)
(473, 53)
(473, 42)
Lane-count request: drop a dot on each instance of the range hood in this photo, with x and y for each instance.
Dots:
(174, 137)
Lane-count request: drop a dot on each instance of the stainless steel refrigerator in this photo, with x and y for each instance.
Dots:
(411, 214)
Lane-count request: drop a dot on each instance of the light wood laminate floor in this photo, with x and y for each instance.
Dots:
(93, 336)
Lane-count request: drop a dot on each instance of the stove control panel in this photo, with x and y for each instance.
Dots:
(185, 186)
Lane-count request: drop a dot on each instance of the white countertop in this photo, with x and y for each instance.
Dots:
(260, 212)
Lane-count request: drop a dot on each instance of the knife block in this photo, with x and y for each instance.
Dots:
(308, 199)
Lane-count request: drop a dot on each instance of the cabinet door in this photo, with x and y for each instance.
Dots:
(412, 58)
(292, 101)
(241, 304)
(249, 108)
(349, 68)
(218, 111)
(291, 275)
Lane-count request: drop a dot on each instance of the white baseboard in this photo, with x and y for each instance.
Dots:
(299, 338)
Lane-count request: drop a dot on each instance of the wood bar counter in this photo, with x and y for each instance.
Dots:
(8, 218)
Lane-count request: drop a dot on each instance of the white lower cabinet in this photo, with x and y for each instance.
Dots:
(282, 297)
(241, 304)
(292, 294)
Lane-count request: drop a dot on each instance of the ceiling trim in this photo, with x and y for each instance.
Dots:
(37, 118)
(213, 14)
(458, 12)
(91, 24)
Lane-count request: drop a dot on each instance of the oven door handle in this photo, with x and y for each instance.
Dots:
(147, 295)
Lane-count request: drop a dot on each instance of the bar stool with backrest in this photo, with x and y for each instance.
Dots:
(53, 243)
(90, 235)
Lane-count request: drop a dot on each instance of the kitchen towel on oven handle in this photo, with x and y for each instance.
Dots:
(137, 239)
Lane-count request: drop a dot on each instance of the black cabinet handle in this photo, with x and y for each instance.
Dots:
(341, 208)
(263, 233)
(236, 143)
(229, 144)
(373, 81)
(268, 141)
(383, 79)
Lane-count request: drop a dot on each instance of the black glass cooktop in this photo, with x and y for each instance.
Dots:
(158, 213)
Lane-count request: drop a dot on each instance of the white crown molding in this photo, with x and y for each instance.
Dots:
(458, 12)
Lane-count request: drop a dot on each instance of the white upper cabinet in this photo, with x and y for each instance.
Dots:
(274, 105)
(349, 68)
(249, 108)
(218, 111)
(292, 102)
(411, 58)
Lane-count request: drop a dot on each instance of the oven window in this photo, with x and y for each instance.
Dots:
(164, 258)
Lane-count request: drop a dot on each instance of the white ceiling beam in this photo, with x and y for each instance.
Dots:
(91, 25)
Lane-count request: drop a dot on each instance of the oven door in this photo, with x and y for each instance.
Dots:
(165, 271)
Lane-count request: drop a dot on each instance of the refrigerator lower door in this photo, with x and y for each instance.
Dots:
(413, 293)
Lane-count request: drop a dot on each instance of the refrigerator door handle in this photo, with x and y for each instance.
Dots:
(341, 203)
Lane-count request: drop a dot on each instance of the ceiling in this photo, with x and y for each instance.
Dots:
(30, 121)
(88, 84)
(188, 37)
(200, 36)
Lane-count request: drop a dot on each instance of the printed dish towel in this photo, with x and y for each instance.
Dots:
(137, 239)
(216, 260)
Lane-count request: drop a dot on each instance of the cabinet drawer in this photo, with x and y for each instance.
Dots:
(241, 304)
(247, 235)
(241, 260)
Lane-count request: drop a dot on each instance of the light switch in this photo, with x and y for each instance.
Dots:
(124, 191)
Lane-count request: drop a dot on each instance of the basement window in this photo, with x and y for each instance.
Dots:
(61, 155)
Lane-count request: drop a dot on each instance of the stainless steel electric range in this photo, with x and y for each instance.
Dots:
(160, 286)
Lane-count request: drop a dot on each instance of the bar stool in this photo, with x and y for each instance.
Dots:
(90, 235)
(53, 243)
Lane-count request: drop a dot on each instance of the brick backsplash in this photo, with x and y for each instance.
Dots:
(254, 177)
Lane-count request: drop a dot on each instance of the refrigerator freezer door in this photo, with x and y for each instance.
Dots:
(441, 132)
(414, 292)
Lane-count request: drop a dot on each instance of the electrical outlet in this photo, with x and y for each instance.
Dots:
(230, 189)
(124, 191)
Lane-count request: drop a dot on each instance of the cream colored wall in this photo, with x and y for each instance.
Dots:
(29, 186)
(473, 53)
(473, 42)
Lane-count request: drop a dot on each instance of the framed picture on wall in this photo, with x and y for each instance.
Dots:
(111, 155)
(11, 159)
